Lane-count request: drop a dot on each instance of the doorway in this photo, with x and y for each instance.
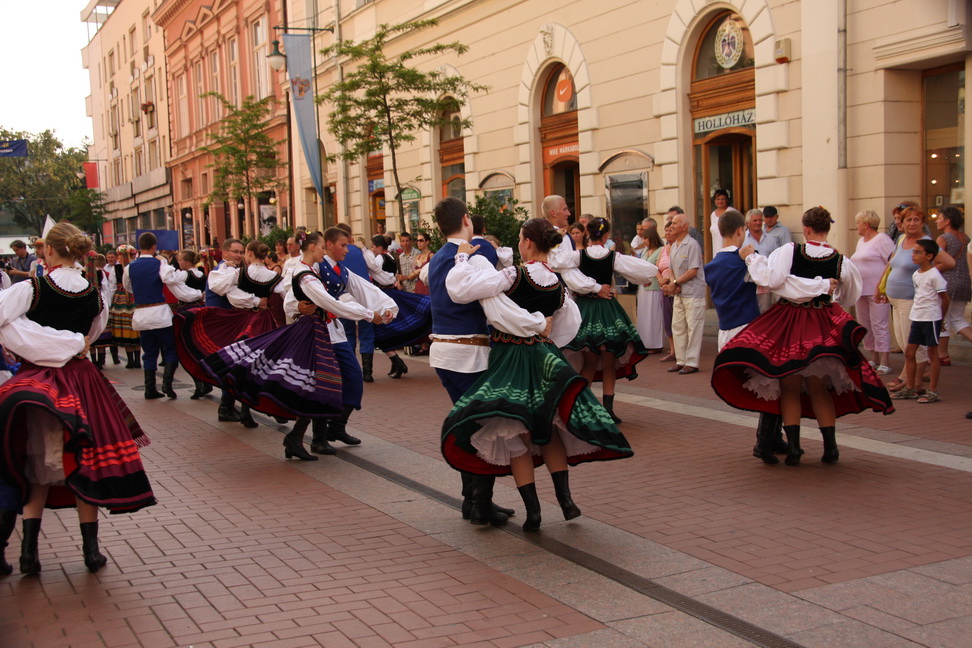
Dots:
(724, 160)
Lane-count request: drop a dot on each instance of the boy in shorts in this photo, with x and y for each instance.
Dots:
(930, 303)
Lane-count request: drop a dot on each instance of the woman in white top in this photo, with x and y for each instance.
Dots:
(609, 341)
(721, 199)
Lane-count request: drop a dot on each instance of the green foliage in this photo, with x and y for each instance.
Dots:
(503, 217)
(245, 161)
(42, 183)
(86, 209)
(384, 102)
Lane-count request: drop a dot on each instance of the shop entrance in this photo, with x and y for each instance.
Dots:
(726, 161)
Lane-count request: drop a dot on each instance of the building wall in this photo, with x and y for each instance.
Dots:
(199, 37)
(126, 64)
(631, 62)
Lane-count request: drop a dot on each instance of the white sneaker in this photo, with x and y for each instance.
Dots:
(882, 370)
(872, 363)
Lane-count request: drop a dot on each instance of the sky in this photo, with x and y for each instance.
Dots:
(43, 83)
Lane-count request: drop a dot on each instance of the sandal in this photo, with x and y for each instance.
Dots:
(904, 394)
(929, 397)
(895, 385)
(668, 358)
(945, 361)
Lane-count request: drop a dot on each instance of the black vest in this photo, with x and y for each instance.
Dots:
(66, 311)
(808, 267)
(197, 283)
(535, 298)
(258, 288)
(600, 270)
(300, 294)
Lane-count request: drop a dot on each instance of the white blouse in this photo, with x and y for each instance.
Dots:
(773, 271)
(43, 345)
(632, 268)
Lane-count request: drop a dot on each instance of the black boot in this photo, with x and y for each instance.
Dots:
(467, 489)
(532, 504)
(131, 360)
(137, 357)
(201, 389)
(319, 444)
(831, 454)
(337, 429)
(294, 442)
(151, 391)
(609, 406)
(562, 488)
(93, 559)
(245, 417)
(29, 562)
(226, 412)
(793, 439)
(101, 358)
(398, 367)
(167, 375)
(114, 355)
(766, 431)
(367, 366)
(482, 510)
(8, 519)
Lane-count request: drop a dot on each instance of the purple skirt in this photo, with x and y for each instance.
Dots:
(289, 372)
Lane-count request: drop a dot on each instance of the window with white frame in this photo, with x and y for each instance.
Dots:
(233, 82)
(215, 108)
(182, 105)
(261, 74)
(200, 80)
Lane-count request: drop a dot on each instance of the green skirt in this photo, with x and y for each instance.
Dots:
(606, 327)
(529, 387)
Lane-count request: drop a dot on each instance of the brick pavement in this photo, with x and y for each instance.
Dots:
(874, 551)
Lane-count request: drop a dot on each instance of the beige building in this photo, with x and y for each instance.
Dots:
(125, 60)
(629, 107)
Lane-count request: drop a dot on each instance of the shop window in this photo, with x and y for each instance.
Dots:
(627, 204)
(943, 99)
(726, 47)
(559, 95)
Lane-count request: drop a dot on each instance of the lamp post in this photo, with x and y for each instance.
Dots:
(277, 61)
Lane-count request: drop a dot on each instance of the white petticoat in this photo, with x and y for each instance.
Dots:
(45, 448)
(498, 440)
(831, 370)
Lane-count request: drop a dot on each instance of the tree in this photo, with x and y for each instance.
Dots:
(503, 219)
(42, 183)
(385, 101)
(86, 209)
(245, 160)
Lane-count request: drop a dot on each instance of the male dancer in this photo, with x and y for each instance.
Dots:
(221, 280)
(360, 332)
(144, 278)
(367, 302)
(460, 346)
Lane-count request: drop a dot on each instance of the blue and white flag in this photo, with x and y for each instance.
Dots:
(300, 68)
(13, 148)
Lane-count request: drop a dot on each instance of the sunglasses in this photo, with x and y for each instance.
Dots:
(420, 240)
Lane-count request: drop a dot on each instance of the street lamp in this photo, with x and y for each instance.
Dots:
(277, 60)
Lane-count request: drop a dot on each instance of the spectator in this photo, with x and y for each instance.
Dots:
(406, 263)
(896, 229)
(762, 242)
(638, 242)
(688, 290)
(650, 295)
(954, 242)
(874, 249)
(721, 199)
(281, 250)
(771, 225)
(664, 278)
(579, 235)
(693, 231)
(39, 265)
(20, 263)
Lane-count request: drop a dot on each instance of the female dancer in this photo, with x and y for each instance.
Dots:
(122, 308)
(99, 276)
(414, 321)
(530, 407)
(196, 279)
(247, 284)
(610, 342)
(291, 372)
(802, 358)
(68, 439)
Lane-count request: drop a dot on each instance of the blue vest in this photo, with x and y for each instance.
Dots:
(734, 297)
(486, 249)
(143, 273)
(355, 262)
(214, 300)
(335, 284)
(448, 317)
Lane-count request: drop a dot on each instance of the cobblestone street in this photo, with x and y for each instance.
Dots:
(693, 542)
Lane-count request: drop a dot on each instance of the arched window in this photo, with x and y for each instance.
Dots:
(452, 157)
(726, 47)
(558, 137)
(559, 95)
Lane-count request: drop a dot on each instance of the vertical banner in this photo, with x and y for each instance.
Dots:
(300, 68)
(91, 175)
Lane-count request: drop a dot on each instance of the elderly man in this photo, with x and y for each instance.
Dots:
(762, 242)
(20, 264)
(688, 289)
(555, 210)
(694, 232)
(771, 225)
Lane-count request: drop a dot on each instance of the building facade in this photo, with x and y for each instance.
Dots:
(126, 64)
(218, 46)
(627, 107)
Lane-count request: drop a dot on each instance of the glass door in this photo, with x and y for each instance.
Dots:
(725, 162)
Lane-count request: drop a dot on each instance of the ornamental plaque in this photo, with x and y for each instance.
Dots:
(728, 43)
